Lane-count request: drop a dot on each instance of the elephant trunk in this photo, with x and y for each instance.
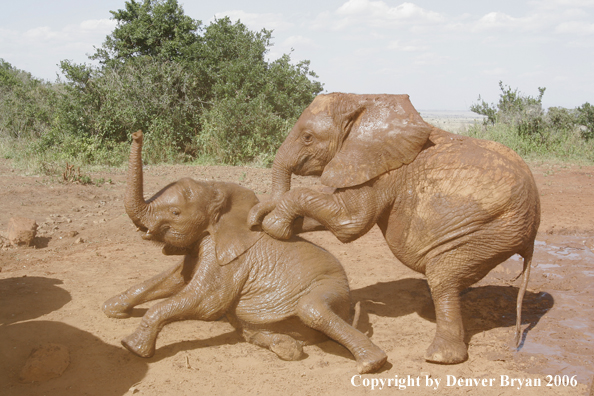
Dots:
(136, 207)
(281, 174)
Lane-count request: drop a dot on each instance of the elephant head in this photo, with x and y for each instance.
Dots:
(347, 139)
(183, 212)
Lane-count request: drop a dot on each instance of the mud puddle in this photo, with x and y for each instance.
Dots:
(558, 307)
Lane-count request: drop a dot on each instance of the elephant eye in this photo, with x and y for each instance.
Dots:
(307, 138)
(175, 212)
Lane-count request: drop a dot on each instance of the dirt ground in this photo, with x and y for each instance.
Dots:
(87, 250)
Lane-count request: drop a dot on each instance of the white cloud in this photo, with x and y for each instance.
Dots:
(379, 10)
(33, 48)
(255, 21)
(496, 20)
(399, 46)
(85, 31)
(555, 4)
(577, 28)
(98, 25)
(42, 33)
(431, 59)
(498, 71)
(299, 41)
(375, 14)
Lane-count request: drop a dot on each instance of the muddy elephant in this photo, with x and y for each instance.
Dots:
(277, 294)
(450, 207)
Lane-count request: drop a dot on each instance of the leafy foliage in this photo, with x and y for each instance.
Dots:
(513, 107)
(151, 28)
(520, 122)
(26, 103)
(197, 92)
(585, 118)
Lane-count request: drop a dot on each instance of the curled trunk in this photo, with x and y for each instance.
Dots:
(136, 207)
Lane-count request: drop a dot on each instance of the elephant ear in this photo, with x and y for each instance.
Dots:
(385, 133)
(231, 234)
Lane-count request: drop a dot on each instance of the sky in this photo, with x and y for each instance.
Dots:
(444, 54)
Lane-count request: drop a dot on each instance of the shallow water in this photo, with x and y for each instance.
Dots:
(563, 267)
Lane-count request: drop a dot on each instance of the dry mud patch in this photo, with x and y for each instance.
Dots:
(87, 250)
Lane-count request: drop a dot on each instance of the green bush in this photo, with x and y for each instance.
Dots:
(197, 92)
(26, 103)
(238, 131)
(585, 118)
(520, 122)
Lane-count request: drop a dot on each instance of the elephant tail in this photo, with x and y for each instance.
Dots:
(525, 276)
(357, 314)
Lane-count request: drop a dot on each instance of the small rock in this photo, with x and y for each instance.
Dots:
(72, 234)
(21, 231)
(45, 362)
(79, 240)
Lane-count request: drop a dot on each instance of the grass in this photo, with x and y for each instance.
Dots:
(35, 156)
(560, 146)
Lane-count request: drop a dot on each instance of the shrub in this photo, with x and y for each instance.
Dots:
(585, 119)
(26, 103)
(520, 122)
(238, 131)
(195, 91)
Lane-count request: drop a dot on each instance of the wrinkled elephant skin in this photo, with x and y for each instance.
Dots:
(277, 294)
(450, 207)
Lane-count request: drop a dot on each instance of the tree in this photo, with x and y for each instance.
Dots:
(512, 106)
(586, 120)
(206, 92)
(156, 28)
(26, 103)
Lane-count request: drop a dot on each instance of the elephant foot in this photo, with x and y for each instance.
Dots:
(446, 352)
(139, 344)
(370, 359)
(286, 347)
(278, 228)
(117, 307)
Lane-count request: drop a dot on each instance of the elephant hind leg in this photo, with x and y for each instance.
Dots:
(448, 274)
(283, 345)
(448, 346)
(316, 311)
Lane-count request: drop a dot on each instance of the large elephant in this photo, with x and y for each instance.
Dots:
(450, 207)
(277, 294)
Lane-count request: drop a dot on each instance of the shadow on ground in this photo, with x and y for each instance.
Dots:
(483, 307)
(95, 368)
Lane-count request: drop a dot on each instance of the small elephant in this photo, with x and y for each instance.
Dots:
(276, 294)
(450, 207)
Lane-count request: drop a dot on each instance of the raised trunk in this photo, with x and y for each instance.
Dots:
(136, 207)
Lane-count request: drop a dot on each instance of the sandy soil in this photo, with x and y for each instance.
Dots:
(87, 250)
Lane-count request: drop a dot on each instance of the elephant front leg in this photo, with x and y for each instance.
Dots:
(201, 299)
(184, 305)
(163, 285)
(348, 213)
